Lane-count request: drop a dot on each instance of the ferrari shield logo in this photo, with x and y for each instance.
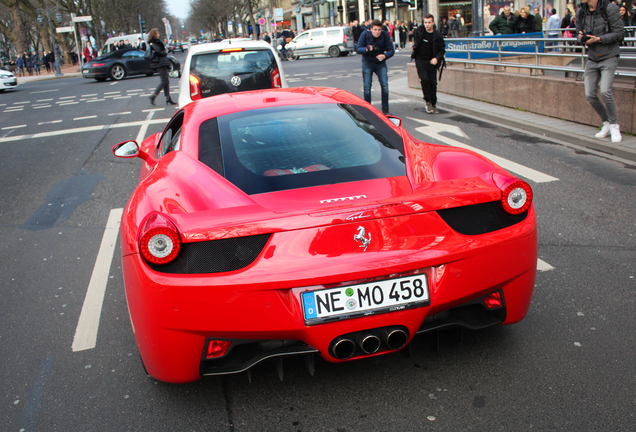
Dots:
(359, 237)
(236, 81)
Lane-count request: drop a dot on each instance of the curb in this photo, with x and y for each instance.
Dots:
(559, 136)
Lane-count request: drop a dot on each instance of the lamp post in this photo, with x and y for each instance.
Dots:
(58, 19)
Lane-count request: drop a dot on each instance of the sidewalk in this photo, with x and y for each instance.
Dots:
(564, 132)
(67, 71)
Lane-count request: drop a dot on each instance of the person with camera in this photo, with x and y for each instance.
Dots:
(376, 48)
(600, 28)
(428, 51)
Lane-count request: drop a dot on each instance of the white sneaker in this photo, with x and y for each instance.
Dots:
(615, 131)
(605, 131)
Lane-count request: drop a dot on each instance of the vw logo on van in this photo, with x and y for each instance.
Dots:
(236, 81)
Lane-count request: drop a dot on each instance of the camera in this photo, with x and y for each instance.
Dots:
(585, 36)
(373, 48)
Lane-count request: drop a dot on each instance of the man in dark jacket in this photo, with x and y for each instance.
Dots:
(504, 23)
(538, 20)
(600, 27)
(376, 48)
(428, 52)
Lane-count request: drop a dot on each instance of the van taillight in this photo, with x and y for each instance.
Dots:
(194, 88)
(276, 79)
(344, 38)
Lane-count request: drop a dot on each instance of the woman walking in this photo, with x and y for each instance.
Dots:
(160, 63)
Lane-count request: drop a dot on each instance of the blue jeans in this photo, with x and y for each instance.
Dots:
(381, 71)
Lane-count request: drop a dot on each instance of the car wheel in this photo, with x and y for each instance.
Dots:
(334, 51)
(117, 72)
(291, 55)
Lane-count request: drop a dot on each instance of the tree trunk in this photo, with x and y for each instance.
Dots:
(18, 35)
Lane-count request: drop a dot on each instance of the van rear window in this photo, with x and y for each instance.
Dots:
(224, 64)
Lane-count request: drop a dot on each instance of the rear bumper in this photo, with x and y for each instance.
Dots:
(173, 315)
(94, 73)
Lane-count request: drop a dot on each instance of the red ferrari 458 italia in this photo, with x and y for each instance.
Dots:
(301, 221)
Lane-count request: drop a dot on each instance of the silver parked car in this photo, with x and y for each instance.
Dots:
(334, 41)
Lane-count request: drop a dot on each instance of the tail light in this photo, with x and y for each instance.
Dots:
(97, 64)
(493, 301)
(276, 79)
(344, 38)
(194, 88)
(160, 241)
(516, 197)
(217, 348)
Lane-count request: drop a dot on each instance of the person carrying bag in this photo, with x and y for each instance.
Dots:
(159, 62)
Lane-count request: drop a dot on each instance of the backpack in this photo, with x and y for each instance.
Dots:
(580, 15)
(150, 52)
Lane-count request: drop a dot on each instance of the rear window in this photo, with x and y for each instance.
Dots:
(282, 148)
(224, 64)
(333, 33)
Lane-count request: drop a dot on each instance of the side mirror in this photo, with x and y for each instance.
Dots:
(395, 120)
(126, 149)
(175, 74)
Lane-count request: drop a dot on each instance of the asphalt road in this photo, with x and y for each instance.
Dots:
(570, 365)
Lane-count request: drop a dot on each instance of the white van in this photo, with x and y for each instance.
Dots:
(334, 41)
(109, 46)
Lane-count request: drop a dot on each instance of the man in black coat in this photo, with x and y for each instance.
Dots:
(428, 51)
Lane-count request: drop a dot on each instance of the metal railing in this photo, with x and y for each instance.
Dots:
(559, 48)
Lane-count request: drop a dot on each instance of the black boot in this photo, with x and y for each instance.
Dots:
(152, 99)
(170, 101)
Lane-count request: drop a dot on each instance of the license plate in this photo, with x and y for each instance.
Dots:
(333, 304)
(85, 71)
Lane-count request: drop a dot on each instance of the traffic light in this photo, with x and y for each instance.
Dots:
(143, 26)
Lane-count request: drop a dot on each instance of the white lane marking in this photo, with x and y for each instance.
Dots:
(543, 266)
(13, 127)
(95, 100)
(18, 103)
(433, 129)
(9, 110)
(81, 129)
(43, 106)
(123, 97)
(89, 95)
(121, 113)
(85, 118)
(301, 74)
(136, 90)
(68, 97)
(144, 127)
(88, 323)
(319, 79)
(153, 109)
(392, 101)
(114, 83)
(44, 100)
(44, 91)
(69, 103)
(113, 92)
(50, 122)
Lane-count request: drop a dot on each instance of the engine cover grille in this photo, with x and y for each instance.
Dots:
(480, 218)
(215, 256)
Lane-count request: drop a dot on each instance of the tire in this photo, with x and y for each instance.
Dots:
(117, 72)
(150, 74)
(291, 55)
(334, 51)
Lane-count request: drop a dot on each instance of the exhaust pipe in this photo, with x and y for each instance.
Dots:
(370, 344)
(343, 349)
(397, 339)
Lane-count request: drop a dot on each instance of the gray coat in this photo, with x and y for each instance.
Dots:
(610, 32)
